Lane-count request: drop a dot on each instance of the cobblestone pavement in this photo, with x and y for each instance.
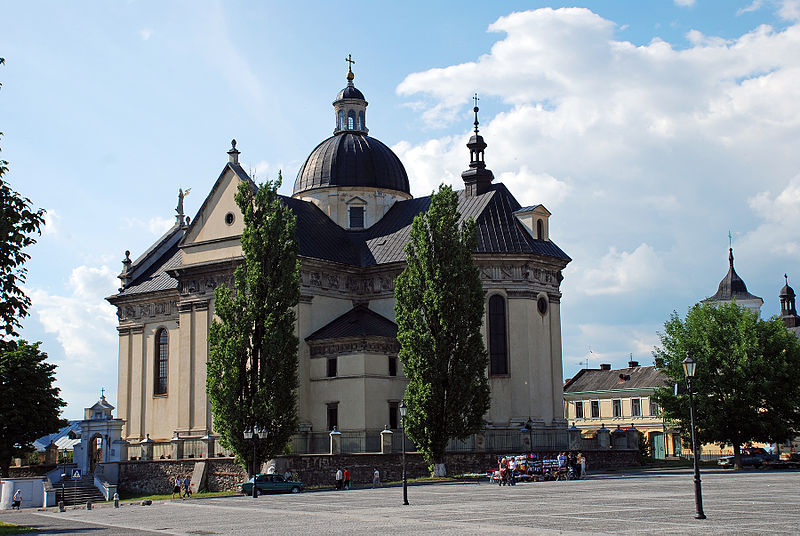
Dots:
(654, 502)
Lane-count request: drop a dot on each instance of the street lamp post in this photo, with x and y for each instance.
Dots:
(403, 410)
(689, 366)
(252, 435)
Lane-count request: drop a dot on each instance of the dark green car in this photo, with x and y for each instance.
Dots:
(270, 484)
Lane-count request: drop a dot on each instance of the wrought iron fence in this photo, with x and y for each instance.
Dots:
(457, 445)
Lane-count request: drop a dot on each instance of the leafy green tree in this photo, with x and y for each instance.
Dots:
(18, 223)
(29, 403)
(439, 309)
(746, 376)
(252, 363)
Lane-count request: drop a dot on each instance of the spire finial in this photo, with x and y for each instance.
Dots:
(730, 248)
(233, 154)
(475, 109)
(103, 393)
(349, 59)
(786, 277)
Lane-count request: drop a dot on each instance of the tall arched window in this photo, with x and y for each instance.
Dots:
(161, 362)
(341, 120)
(539, 230)
(498, 354)
(351, 120)
(361, 124)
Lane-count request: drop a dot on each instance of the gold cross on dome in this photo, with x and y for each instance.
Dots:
(349, 59)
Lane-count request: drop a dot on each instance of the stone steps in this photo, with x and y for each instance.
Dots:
(78, 492)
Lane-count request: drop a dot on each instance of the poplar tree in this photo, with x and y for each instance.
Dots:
(439, 310)
(252, 363)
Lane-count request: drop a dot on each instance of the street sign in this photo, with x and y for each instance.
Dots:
(76, 474)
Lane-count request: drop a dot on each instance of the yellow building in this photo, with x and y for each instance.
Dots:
(621, 398)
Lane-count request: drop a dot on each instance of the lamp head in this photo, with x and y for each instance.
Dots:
(403, 409)
(689, 366)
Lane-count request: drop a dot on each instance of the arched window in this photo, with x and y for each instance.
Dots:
(351, 120)
(340, 122)
(539, 230)
(161, 362)
(361, 124)
(498, 354)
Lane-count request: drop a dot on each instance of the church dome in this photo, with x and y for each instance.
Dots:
(351, 158)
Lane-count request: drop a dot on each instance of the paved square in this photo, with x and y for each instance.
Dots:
(656, 502)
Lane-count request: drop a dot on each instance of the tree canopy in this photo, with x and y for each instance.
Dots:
(252, 364)
(439, 309)
(746, 376)
(29, 403)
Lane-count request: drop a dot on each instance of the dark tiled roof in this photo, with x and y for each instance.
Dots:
(732, 286)
(609, 380)
(360, 321)
(498, 231)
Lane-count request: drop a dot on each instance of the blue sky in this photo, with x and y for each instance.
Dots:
(649, 129)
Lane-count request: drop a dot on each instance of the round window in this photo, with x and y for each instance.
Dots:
(541, 304)
(229, 218)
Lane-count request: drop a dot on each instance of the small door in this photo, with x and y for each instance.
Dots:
(676, 444)
(659, 446)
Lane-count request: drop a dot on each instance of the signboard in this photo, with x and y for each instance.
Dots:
(76, 474)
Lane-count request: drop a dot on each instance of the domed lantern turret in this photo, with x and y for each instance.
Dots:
(350, 106)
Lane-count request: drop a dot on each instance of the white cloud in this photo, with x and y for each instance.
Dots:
(789, 10)
(781, 218)
(84, 325)
(155, 225)
(684, 3)
(145, 33)
(596, 343)
(52, 223)
(620, 272)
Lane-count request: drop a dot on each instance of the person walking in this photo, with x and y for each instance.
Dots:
(17, 500)
(376, 479)
(176, 487)
(187, 490)
(346, 479)
(339, 479)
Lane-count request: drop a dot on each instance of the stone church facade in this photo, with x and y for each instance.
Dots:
(354, 211)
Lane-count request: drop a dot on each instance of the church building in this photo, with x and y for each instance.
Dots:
(354, 211)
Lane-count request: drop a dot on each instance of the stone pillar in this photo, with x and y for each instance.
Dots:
(147, 448)
(51, 454)
(176, 444)
(122, 449)
(211, 443)
(574, 437)
(336, 441)
(633, 437)
(604, 437)
(386, 441)
(480, 441)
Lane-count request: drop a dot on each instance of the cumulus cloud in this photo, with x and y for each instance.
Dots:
(781, 217)
(622, 272)
(84, 324)
(52, 223)
(684, 3)
(145, 33)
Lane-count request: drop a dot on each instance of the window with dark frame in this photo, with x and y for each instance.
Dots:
(579, 409)
(331, 367)
(595, 408)
(498, 354)
(654, 409)
(333, 415)
(161, 362)
(539, 230)
(392, 365)
(616, 408)
(356, 217)
(394, 415)
(636, 407)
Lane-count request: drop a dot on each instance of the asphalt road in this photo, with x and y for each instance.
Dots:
(654, 502)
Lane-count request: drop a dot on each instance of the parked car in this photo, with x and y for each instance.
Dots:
(270, 484)
(754, 456)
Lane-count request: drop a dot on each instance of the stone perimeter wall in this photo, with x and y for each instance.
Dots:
(152, 477)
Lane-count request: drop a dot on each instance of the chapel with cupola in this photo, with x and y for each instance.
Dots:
(354, 210)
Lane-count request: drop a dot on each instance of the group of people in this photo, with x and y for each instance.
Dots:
(186, 484)
(511, 468)
(343, 479)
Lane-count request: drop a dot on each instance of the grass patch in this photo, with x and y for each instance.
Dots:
(168, 496)
(8, 528)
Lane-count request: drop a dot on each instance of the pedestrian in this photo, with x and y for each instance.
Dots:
(287, 476)
(187, 489)
(562, 460)
(339, 479)
(512, 466)
(376, 479)
(176, 487)
(582, 462)
(579, 464)
(17, 500)
(346, 479)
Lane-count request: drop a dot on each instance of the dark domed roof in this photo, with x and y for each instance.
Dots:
(352, 159)
(732, 286)
(350, 92)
